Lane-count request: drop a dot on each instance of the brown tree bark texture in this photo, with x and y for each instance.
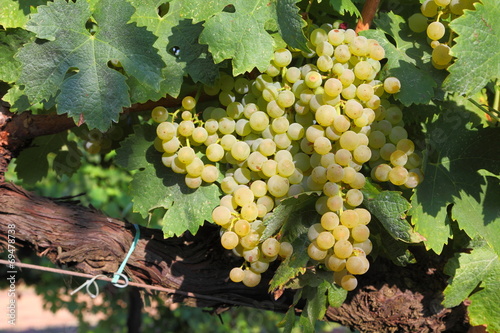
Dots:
(389, 298)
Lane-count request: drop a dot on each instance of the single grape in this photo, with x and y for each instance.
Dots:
(270, 247)
(188, 102)
(417, 23)
(435, 30)
(236, 274)
(392, 85)
(159, 114)
(250, 278)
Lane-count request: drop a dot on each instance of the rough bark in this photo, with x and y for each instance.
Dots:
(389, 299)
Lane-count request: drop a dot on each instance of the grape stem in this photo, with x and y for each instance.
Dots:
(367, 15)
(485, 110)
(496, 101)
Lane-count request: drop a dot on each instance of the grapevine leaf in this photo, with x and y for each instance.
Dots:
(241, 35)
(404, 59)
(344, 6)
(202, 10)
(290, 24)
(287, 212)
(384, 244)
(456, 156)
(292, 266)
(178, 46)
(480, 267)
(17, 99)
(14, 13)
(164, 188)
(305, 323)
(316, 301)
(477, 49)
(467, 271)
(37, 154)
(288, 322)
(390, 208)
(10, 41)
(336, 295)
(73, 64)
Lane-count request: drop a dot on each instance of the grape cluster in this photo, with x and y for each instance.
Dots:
(441, 12)
(296, 129)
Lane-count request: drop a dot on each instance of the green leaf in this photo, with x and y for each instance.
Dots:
(15, 13)
(156, 186)
(73, 64)
(241, 35)
(477, 49)
(288, 212)
(404, 60)
(11, 40)
(174, 30)
(290, 24)
(336, 295)
(292, 266)
(345, 6)
(37, 154)
(390, 208)
(480, 267)
(456, 155)
(316, 301)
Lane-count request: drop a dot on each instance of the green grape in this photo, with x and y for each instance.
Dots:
(266, 201)
(357, 265)
(282, 57)
(435, 30)
(286, 98)
(394, 115)
(285, 168)
(334, 203)
(166, 131)
(322, 145)
(325, 240)
(441, 55)
(442, 3)
(324, 63)
(336, 36)
(348, 282)
(341, 123)
(236, 274)
(195, 168)
(324, 49)
(210, 173)
(349, 92)
(241, 85)
(363, 70)
(167, 159)
(286, 250)
(334, 263)
(295, 131)
(188, 102)
(259, 188)
(226, 125)
(377, 52)
(397, 134)
(413, 180)
(270, 93)
(259, 121)
(325, 115)
(269, 168)
(259, 266)
(359, 46)
(417, 23)
(159, 114)
(185, 128)
(386, 151)
(214, 152)
(362, 154)
(342, 53)
(365, 246)
(342, 248)
(186, 155)
(277, 186)
(270, 247)
(392, 85)
(252, 253)
(350, 218)
(318, 175)
(358, 182)
(398, 175)
(229, 240)
(250, 278)
(199, 135)
(228, 185)
(354, 198)
(221, 215)
(292, 74)
(280, 125)
(313, 231)
(347, 77)
(429, 8)
(249, 211)
(333, 87)
(313, 79)
(242, 127)
(240, 150)
(226, 97)
(343, 157)
(171, 146)
(329, 220)
(255, 161)
(398, 157)
(334, 173)
(330, 189)
(341, 232)
(364, 92)
(318, 36)
(243, 196)
(360, 233)
(353, 109)
(349, 175)
(349, 140)
(315, 253)
(457, 6)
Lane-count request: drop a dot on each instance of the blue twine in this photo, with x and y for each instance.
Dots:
(116, 276)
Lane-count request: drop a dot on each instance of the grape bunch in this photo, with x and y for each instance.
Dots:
(440, 12)
(290, 130)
